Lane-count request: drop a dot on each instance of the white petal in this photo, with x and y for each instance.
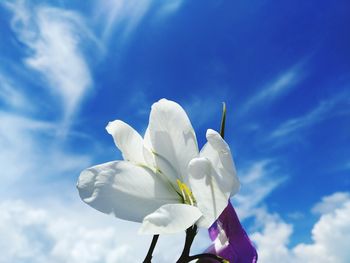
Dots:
(129, 141)
(169, 219)
(172, 137)
(210, 200)
(129, 191)
(155, 161)
(219, 154)
(147, 150)
(147, 140)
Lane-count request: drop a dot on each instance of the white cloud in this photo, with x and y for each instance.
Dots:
(330, 236)
(331, 202)
(324, 110)
(41, 235)
(273, 240)
(76, 233)
(54, 37)
(276, 88)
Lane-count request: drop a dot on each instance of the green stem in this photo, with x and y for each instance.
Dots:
(148, 258)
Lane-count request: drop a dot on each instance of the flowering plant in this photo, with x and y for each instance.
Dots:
(164, 181)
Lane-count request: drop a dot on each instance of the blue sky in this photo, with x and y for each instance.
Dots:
(68, 67)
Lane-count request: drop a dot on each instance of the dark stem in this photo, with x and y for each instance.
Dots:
(223, 120)
(206, 255)
(148, 258)
(191, 232)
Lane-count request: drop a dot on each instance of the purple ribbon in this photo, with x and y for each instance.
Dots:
(231, 242)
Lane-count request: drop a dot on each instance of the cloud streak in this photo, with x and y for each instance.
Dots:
(274, 89)
(124, 16)
(326, 109)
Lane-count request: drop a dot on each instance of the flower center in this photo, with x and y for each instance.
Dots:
(187, 195)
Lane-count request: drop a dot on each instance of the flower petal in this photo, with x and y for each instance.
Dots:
(230, 240)
(169, 219)
(172, 137)
(129, 191)
(210, 200)
(129, 141)
(147, 150)
(219, 154)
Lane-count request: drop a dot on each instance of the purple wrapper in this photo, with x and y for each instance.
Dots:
(230, 241)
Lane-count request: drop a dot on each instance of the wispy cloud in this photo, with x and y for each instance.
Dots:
(11, 96)
(258, 181)
(276, 88)
(169, 7)
(338, 104)
(30, 154)
(124, 16)
(55, 38)
(30, 150)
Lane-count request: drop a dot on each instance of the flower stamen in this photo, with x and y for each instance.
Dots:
(187, 195)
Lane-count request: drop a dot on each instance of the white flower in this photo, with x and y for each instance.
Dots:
(164, 181)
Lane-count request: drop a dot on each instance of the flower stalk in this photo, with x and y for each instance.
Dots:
(191, 232)
(148, 258)
(185, 255)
